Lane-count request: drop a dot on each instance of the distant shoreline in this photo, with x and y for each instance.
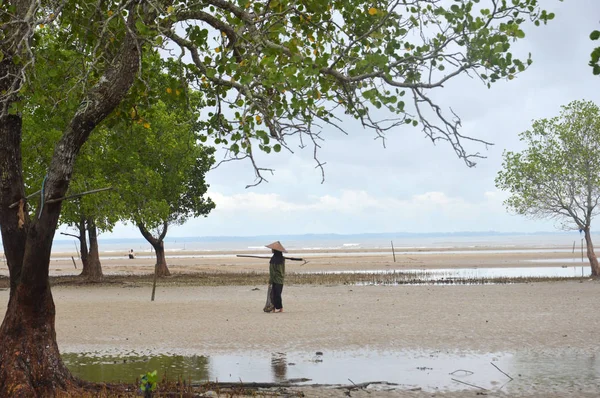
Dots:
(332, 260)
(368, 235)
(332, 251)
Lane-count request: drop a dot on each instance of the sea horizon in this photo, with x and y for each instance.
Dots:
(335, 241)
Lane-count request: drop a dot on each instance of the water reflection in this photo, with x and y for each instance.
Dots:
(558, 373)
(128, 368)
(279, 366)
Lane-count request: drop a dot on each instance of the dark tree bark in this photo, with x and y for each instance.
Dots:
(590, 253)
(92, 268)
(30, 363)
(83, 247)
(159, 248)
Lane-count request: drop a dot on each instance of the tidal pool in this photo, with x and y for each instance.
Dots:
(465, 275)
(566, 372)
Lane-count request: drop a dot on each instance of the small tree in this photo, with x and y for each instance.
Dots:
(558, 175)
(166, 166)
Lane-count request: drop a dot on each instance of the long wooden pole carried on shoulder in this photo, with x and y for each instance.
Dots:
(266, 257)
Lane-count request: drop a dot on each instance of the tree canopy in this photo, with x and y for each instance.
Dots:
(558, 174)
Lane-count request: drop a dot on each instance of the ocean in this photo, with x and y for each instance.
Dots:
(312, 242)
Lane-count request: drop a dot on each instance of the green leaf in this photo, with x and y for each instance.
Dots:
(595, 35)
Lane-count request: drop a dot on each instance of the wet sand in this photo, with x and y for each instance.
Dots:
(331, 260)
(550, 318)
(202, 320)
(544, 318)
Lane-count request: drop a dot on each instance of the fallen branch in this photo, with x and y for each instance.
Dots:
(469, 384)
(501, 371)
(354, 385)
(359, 387)
(254, 385)
(289, 383)
(467, 372)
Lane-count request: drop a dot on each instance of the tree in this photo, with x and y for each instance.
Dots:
(88, 214)
(165, 183)
(558, 175)
(266, 70)
(30, 363)
(45, 113)
(91, 214)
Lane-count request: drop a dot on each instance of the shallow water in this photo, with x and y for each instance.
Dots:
(431, 371)
(433, 275)
(446, 275)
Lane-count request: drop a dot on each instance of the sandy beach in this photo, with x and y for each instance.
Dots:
(547, 321)
(326, 260)
(209, 319)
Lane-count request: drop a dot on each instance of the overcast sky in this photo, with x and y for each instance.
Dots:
(412, 185)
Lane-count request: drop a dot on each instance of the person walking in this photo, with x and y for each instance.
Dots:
(277, 274)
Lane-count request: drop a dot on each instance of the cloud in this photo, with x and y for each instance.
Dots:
(355, 211)
(355, 203)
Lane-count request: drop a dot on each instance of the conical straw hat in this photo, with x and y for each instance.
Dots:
(277, 246)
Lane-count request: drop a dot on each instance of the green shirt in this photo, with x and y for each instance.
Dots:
(277, 273)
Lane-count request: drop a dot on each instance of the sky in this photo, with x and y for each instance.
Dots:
(412, 185)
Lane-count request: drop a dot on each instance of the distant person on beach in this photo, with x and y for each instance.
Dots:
(277, 274)
(131, 255)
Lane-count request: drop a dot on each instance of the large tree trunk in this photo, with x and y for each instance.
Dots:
(159, 248)
(590, 253)
(30, 363)
(93, 269)
(161, 261)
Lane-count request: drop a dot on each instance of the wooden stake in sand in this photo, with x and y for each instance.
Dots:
(74, 264)
(154, 283)
(394, 253)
